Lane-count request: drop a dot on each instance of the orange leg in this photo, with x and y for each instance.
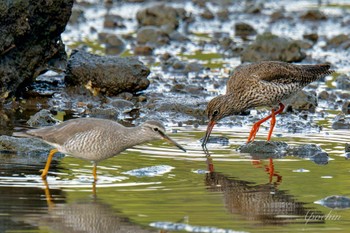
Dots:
(94, 172)
(256, 126)
(48, 162)
(49, 201)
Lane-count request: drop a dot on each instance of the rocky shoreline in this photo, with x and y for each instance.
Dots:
(165, 61)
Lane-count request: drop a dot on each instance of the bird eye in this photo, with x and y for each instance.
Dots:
(155, 129)
(215, 113)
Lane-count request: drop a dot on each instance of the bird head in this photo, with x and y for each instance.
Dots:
(218, 108)
(156, 130)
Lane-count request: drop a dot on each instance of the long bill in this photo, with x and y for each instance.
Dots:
(207, 133)
(171, 141)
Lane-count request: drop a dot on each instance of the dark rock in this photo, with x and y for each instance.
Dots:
(323, 95)
(311, 37)
(113, 21)
(343, 82)
(306, 150)
(160, 15)
(253, 7)
(303, 100)
(143, 50)
(320, 158)
(151, 35)
(346, 107)
(264, 147)
(335, 202)
(313, 15)
(304, 44)
(193, 67)
(108, 75)
(30, 41)
(25, 146)
(244, 30)
(223, 14)
(207, 14)
(42, 118)
(177, 107)
(271, 47)
(177, 36)
(114, 44)
(277, 15)
(341, 41)
(191, 89)
(341, 122)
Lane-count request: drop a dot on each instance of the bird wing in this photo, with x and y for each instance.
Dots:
(276, 72)
(60, 133)
(286, 73)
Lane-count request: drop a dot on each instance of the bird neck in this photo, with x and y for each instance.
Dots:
(136, 135)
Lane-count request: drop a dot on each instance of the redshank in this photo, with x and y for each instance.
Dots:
(265, 83)
(95, 139)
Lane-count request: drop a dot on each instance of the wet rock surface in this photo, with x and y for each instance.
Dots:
(264, 147)
(179, 59)
(42, 118)
(341, 121)
(160, 15)
(107, 75)
(30, 41)
(277, 149)
(24, 146)
(335, 202)
(302, 100)
(268, 46)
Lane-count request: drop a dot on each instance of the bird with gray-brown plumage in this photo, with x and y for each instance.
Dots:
(265, 83)
(95, 139)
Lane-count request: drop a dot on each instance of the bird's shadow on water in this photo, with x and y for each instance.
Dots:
(264, 203)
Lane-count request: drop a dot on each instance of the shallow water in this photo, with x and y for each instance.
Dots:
(155, 186)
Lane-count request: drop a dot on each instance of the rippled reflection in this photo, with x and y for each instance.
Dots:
(263, 202)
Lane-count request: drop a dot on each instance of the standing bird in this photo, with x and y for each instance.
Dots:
(95, 139)
(264, 83)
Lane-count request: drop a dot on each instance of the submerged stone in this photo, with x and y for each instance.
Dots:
(335, 202)
(224, 141)
(264, 147)
(306, 150)
(320, 158)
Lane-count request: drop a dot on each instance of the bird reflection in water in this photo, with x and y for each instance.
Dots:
(259, 202)
(88, 215)
(256, 161)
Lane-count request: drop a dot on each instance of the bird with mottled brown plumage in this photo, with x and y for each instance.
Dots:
(265, 83)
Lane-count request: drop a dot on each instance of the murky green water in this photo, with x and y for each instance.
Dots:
(237, 196)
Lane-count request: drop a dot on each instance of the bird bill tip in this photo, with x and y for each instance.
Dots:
(208, 132)
(173, 142)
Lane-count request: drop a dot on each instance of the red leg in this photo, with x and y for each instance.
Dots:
(256, 126)
(273, 120)
(270, 169)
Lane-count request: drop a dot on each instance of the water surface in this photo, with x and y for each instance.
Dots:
(155, 186)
